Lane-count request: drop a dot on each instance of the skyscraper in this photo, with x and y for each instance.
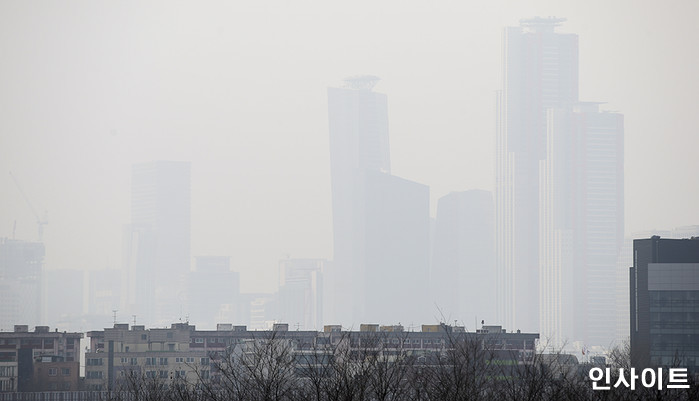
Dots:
(358, 127)
(581, 225)
(463, 260)
(380, 222)
(157, 243)
(540, 71)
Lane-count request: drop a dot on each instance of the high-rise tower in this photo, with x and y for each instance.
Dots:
(540, 71)
(380, 222)
(157, 243)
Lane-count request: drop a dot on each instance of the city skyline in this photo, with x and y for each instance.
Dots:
(440, 110)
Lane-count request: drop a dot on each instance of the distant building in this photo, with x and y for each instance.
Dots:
(358, 128)
(540, 71)
(463, 259)
(581, 223)
(213, 287)
(157, 242)
(32, 361)
(301, 292)
(380, 222)
(21, 282)
(106, 293)
(664, 303)
(67, 286)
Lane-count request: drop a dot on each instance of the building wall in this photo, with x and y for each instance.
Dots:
(664, 297)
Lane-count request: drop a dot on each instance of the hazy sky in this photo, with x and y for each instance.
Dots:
(239, 89)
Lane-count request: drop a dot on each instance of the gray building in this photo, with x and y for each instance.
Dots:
(581, 223)
(540, 72)
(21, 282)
(463, 260)
(664, 303)
(380, 222)
(157, 242)
(213, 290)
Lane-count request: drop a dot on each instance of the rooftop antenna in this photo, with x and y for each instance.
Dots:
(114, 311)
(134, 319)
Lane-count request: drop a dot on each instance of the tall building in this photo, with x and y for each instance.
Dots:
(559, 192)
(664, 303)
(581, 224)
(396, 251)
(21, 282)
(366, 201)
(463, 259)
(540, 72)
(301, 292)
(157, 242)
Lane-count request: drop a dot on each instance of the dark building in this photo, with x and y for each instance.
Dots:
(21, 351)
(664, 288)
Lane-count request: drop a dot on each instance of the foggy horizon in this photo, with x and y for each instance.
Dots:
(240, 91)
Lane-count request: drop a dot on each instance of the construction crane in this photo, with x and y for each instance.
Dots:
(40, 221)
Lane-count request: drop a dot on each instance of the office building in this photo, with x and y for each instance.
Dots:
(213, 288)
(157, 242)
(21, 282)
(581, 223)
(463, 259)
(540, 72)
(664, 303)
(301, 292)
(380, 222)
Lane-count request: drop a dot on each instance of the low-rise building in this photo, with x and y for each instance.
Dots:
(21, 350)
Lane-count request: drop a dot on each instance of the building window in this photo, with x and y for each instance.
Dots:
(163, 374)
(204, 361)
(199, 340)
(150, 374)
(144, 337)
(66, 386)
(65, 371)
(190, 359)
(163, 361)
(179, 360)
(124, 360)
(169, 334)
(53, 371)
(150, 361)
(134, 361)
(94, 362)
(171, 347)
(94, 374)
(204, 374)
